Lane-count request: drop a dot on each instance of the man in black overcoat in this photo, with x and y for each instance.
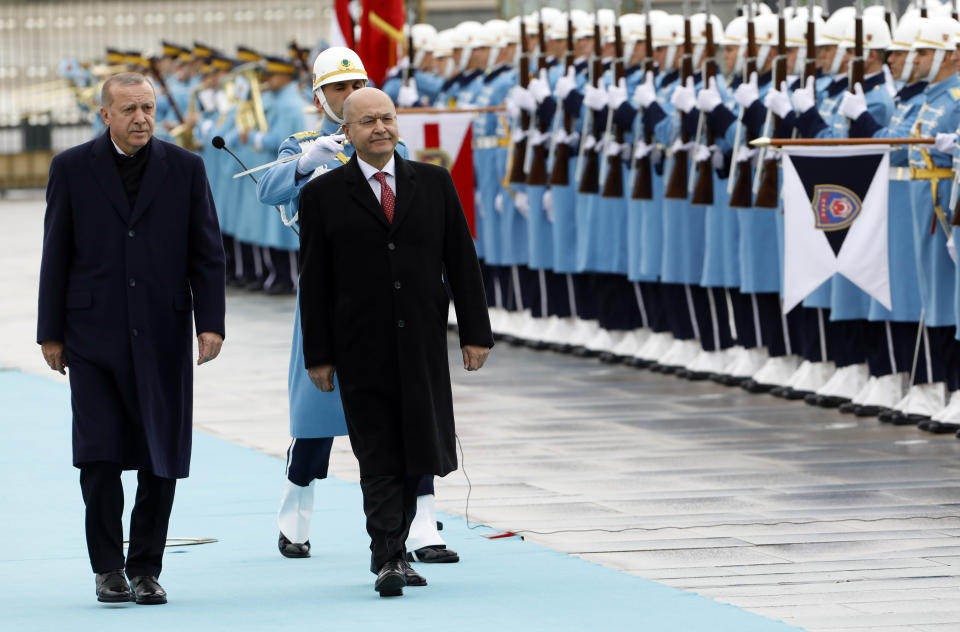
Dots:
(378, 236)
(131, 247)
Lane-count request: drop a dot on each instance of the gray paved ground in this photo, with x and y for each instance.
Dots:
(821, 520)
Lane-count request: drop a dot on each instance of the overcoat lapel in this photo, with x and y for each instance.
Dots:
(156, 173)
(361, 192)
(406, 188)
(107, 176)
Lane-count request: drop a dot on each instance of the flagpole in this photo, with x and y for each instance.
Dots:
(801, 142)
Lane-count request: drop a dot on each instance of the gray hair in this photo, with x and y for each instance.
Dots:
(121, 79)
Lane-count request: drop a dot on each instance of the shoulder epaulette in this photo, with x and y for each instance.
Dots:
(955, 93)
(309, 134)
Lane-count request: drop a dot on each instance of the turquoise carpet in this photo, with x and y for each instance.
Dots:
(241, 582)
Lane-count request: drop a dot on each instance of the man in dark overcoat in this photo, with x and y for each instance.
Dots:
(378, 236)
(131, 247)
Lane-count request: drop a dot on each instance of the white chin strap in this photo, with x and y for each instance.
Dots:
(762, 55)
(738, 64)
(838, 59)
(326, 108)
(418, 56)
(908, 66)
(801, 60)
(938, 56)
(671, 57)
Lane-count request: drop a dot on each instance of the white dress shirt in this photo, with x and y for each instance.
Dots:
(369, 171)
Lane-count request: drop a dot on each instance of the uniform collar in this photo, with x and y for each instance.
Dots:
(838, 86)
(909, 91)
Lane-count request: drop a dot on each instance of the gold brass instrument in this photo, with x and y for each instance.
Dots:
(183, 134)
(250, 114)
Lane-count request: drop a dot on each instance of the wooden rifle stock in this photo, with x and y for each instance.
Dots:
(517, 175)
(560, 175)
(703, 187)
(643, 176)
(741, 196)
(767, 194)
(590, 176)
(538, 162)
(677, 185)
(613, 186)
(155, 71)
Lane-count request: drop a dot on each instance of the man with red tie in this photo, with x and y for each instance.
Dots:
(378, 238)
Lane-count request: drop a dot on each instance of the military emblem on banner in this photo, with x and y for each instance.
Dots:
(835, 207)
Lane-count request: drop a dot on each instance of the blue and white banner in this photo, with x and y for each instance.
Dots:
(835, 219)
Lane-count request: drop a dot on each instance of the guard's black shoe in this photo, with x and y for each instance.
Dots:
(910, 419)
(412, 577)
(433, 554)
(112, 587)
(938, 427)
(849, 408)
(794, 394)
(752, 386)
(390, 579)
(888, 416)
(831, 401)
(812, 399)
(293, 549)
(869, 410)
(147, 590)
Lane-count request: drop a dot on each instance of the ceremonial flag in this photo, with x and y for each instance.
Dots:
(341, 26)
(445, 139)
(835, 219)
(381, 32)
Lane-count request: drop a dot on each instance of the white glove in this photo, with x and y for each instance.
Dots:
(804, 98)
(747, 93)
(547, 204)
(641, 150)
(408, 95)
(521, 203)
(498, 203)
(646, 92)
(709, 98)
(565, 84)
(513, 111)
(854, 103)
(595, 98)
(323, 150)
(522, 97)
(617, 94)
(684, 97)
(540, 87)
(778, 101)
(952, 249)
(945, 142)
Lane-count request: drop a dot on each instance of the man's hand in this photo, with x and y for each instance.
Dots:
(321, 151)
(804, 98)
(747, 92)
(53, 354)
(473, 357)
(322, 377)
(208, 346)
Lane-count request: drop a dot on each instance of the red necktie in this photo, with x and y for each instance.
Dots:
(387, 199)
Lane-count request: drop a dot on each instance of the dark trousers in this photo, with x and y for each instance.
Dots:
(103, 497)
(390, 504)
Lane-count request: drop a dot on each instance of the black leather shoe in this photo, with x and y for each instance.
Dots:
(390, 579)
(849, 408)
(779, 391)
(910, 419)
(147, 590)
(812, 399)
(434, 554)
(112, 587)
(869, 410)
(831, 401)
(412, 577)
(752, 386)
(638, 363)
(292, 549)
(794, 394)
(938, 427)
(888, 416)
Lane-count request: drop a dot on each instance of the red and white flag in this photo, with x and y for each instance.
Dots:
(341, 25)
(444, 139)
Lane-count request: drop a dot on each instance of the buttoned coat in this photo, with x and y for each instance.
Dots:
(373, 304)
(117, 286)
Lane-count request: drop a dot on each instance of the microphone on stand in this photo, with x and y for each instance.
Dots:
(219, 143)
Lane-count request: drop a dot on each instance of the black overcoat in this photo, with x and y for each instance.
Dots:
(373, 304)
(117, 286)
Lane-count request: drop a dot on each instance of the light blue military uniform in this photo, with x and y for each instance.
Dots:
(940, 112)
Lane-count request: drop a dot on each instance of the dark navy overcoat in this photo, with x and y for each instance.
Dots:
(117, 286)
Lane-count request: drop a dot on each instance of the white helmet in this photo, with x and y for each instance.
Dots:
(902, 40)
(797, 38)
(334, 64)
(511, 34)
(608, 19)
(766, 27)
(582, 24)
(422, 34)
(698, 32)
(735, 34)
(668, 32)
(633, 28)
(876, 34)
(833, 33)
(939, 35)
(554, 24)
(498, 28)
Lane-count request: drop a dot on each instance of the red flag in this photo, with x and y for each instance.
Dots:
(341, 27)
(381, 31)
